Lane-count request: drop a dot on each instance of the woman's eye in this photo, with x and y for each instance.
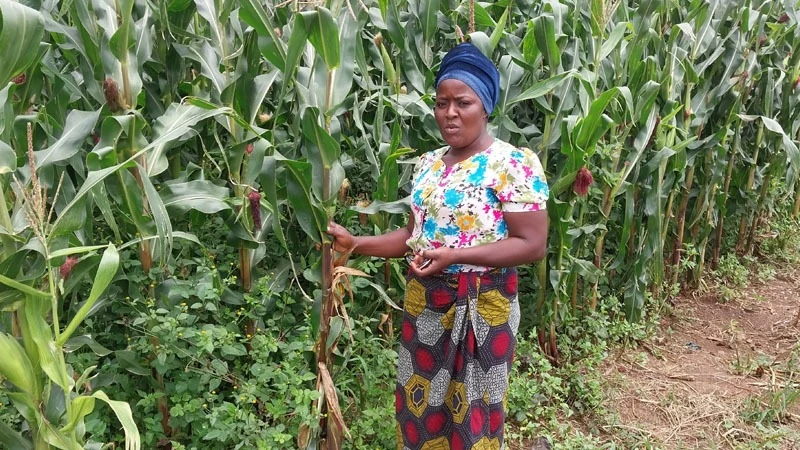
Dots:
(440, 105)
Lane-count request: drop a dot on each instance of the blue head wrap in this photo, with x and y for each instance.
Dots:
(466, 63)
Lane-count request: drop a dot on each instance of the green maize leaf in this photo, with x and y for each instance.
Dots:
(594, 125)
(411, 70)
(204, 54)
(129, 361)
(311, 218)
(6, 111)
(74, 250)
(389, 180)
(585, 269)
(482, 17)
(55, 437)
(318, 139)
(262, 83)
(389, 71)
(51, 358)
(586, 230)
(175, 234)
(686, 29)
(657, 160)
(429, 22)
(297, 42)
(397, 32)
(499, 30)
(271, 46)
(79, 341)
(200, 195)
(635, 293)
(545, 34)
(24, 288)
(769, 94)
(344, 75)
(789, 146)
(105, 273)
(336, 326)
(707, 62)
(268, 180)
(529, 49)
(13, 439)
(181, 119)
(123, 39)
(207, 9)
(545, 87)
(21, 31)
(401, 206)
(239, 236)
(8, 159)
(645, 101)
(323, 32)
(81, 407)
(123, 412)
(382, 294)
(159, 216)
(9, 299)
(614, 39)
(173, 118)
(119, 27)
(15, 366)
(481, 40)
(563, 183)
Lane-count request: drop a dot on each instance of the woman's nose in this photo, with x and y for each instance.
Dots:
(450, 111)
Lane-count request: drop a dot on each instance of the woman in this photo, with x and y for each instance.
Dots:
(478, 210)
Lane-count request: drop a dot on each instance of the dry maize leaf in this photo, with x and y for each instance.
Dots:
(341, 259)
(331, 399)
(349, 271)
(303, 436)
(384, 320)
(338, 294)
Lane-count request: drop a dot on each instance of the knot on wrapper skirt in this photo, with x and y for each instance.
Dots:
(456, 348)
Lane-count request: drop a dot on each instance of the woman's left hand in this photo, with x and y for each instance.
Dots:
(429, 262)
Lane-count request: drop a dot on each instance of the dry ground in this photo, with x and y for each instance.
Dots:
(712, 373)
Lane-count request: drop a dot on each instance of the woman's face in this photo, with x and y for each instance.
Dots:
(460, 115)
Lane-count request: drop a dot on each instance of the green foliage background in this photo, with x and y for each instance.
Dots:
(187, 155)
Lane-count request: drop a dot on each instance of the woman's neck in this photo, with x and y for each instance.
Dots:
(456, 155)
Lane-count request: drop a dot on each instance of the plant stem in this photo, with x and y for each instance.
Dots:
(751, 175)
(387, 279)
(5, 221)
(678, 249)
(754, 225)
(126, 82)
(244, 268)
(726, 187)
(796, 208)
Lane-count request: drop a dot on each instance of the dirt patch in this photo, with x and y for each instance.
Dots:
(714, 373)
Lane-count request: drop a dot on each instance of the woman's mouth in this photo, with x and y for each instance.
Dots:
(450, 129)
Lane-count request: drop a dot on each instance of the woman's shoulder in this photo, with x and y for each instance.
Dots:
(431, 156)
(504, 152)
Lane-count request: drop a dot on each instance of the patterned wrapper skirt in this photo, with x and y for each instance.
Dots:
(456, 349)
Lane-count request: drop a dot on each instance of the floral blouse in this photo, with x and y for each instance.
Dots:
(463, 205)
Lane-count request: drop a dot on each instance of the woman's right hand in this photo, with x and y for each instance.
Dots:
(343, 241)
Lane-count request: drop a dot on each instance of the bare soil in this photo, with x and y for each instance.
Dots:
(717, 376)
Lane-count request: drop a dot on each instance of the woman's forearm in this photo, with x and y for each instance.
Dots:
(389, 245)
(509, 252)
